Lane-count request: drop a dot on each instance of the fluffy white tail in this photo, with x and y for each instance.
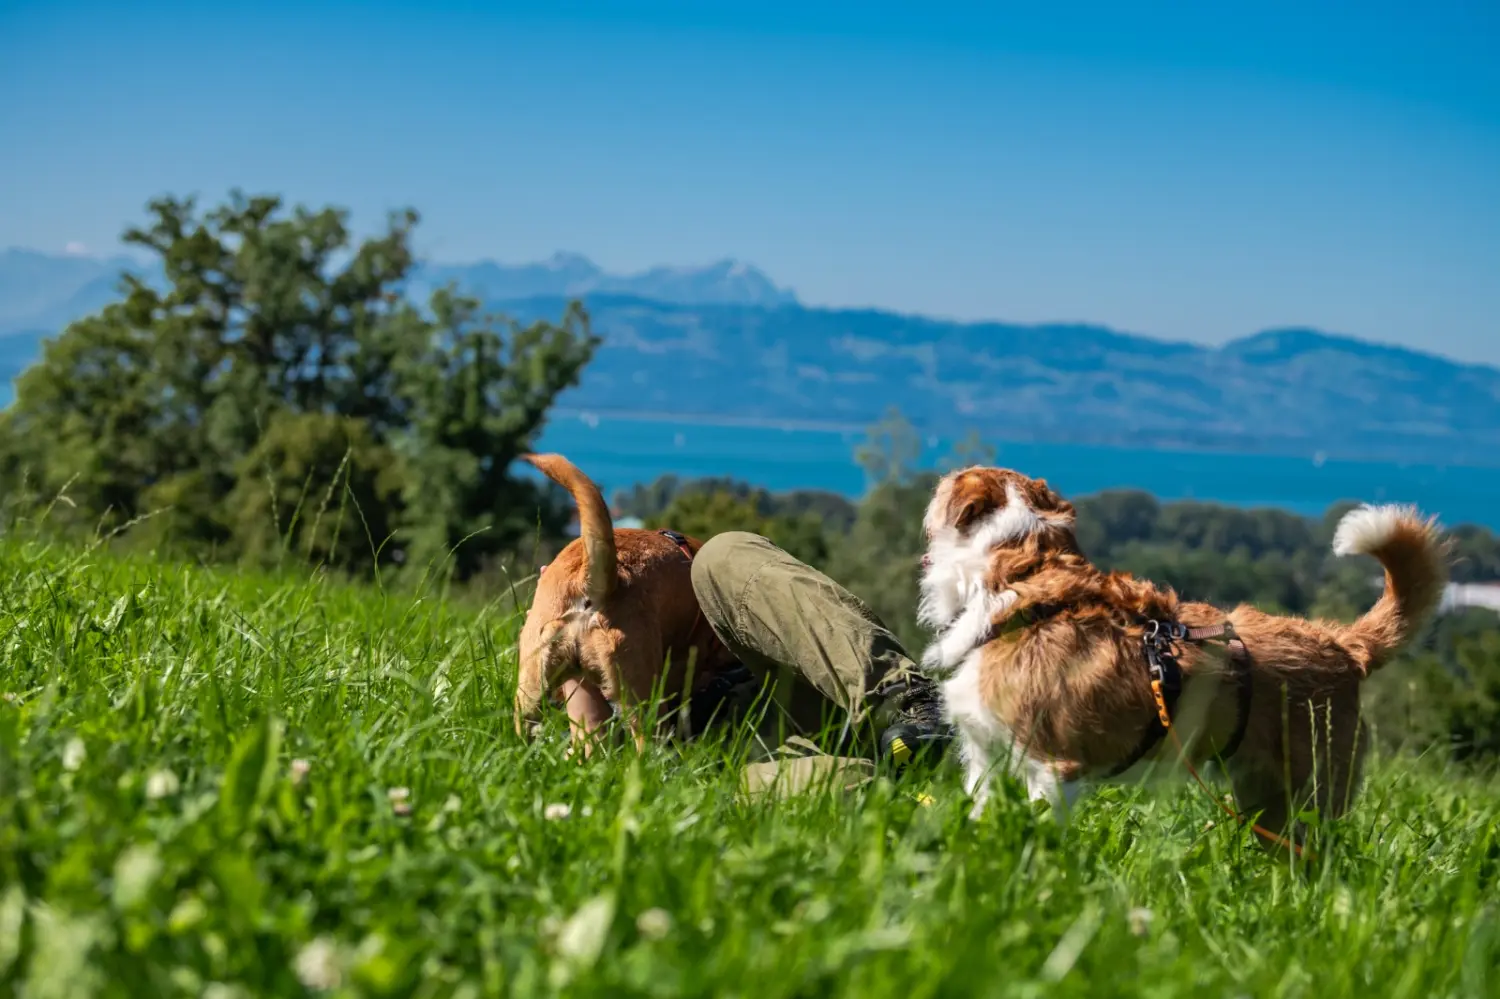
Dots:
(1407, 545)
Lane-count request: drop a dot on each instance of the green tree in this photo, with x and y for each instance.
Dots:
(703, 514)
(649, 501)
(1115, 518)
(1443, 693)
(1476, 554)
(279, 390)
(880, 558)
(891, 449)
(971, 450)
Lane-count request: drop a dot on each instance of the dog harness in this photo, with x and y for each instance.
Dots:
(679, 540)
(1159, 644)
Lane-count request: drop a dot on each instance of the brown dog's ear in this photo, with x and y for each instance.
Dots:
(969, 510)
(971, 499)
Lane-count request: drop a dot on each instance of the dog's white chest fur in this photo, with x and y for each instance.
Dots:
(986, 744)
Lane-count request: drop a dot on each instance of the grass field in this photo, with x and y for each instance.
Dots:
(221, 784)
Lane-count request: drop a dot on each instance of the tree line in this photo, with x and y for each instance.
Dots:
(281, 396)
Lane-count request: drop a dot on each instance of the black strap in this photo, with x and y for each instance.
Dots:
(1239, 656)
(704, 706)
(1159, 645)
(1162, 666)
(680, 540)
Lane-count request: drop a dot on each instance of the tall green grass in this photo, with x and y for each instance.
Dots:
(223, 784)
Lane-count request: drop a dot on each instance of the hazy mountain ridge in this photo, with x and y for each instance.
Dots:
(1286, 390)
(575, 276)
(725, 341)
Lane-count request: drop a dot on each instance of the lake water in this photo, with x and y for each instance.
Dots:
(620, 451)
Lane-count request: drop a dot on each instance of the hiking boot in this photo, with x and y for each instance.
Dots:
(716, 702)
(917, 729)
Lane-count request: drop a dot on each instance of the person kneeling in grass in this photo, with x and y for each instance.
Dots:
(825, 691)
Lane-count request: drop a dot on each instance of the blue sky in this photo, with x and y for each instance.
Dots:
(1194, 171)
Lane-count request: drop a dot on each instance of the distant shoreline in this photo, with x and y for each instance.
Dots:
(709, 420)
(1314, 457)
(620, 449)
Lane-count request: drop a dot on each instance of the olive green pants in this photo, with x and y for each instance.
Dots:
(819, 659)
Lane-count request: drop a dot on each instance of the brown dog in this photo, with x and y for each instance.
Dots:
(1048, 663)
(614, 619)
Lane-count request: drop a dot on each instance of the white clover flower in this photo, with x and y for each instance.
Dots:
(299, 770)
(318, 966)
(1139, 920)
(162, 784)
(653, 924)
(400, 800)
(219, 990)
(557, 812)
(74, 753)
(136, 870)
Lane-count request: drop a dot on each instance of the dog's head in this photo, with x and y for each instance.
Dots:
(993, 505)
(973, 513)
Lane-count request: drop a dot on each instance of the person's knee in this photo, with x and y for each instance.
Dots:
(726, 558)
(722, 571)
(725, 555)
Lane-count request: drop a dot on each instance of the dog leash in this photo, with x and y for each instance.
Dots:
(1166, 677)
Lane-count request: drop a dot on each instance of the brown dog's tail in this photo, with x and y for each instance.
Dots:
(1409, 548)
(594, 523)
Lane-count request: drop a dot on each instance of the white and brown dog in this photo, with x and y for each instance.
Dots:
(614, 619)
(1049, 661)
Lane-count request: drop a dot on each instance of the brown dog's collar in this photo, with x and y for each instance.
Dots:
(1022, 617)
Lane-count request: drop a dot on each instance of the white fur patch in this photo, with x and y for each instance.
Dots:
(1364, 531)
(957, 564)
(986, 744)
(969, 631)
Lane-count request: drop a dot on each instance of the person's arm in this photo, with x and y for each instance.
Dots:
(587, 709)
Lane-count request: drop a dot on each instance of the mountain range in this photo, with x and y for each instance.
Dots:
(725, 341)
